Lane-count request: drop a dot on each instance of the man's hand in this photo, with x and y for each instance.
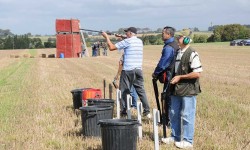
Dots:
(105, 35)
(154, 76)
(175, 79)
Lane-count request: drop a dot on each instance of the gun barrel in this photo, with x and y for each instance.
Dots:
(91, 30)
(109, 33)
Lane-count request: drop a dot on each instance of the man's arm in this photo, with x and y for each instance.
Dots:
(111, 46)
(191, 75)
(165, 61)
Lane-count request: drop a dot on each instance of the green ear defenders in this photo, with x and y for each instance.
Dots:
(186, 40)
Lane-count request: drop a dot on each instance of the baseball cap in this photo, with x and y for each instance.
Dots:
(131, 29)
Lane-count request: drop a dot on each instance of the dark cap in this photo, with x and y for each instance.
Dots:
(131, 29)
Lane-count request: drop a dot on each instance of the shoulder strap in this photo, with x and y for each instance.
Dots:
(185, 59)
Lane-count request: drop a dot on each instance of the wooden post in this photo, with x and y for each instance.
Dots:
(110, 91)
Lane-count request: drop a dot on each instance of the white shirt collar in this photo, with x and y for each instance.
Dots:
(184, 49)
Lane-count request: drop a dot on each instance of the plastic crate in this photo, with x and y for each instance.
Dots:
(90, 93)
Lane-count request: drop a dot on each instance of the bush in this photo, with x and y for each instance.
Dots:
(229, 32)
(200, 38)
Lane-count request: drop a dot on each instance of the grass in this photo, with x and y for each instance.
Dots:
(36, 103)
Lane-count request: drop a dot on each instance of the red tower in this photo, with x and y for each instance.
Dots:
(68, 40)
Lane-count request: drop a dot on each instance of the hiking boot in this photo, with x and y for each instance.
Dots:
(183, 145)
(168, 140)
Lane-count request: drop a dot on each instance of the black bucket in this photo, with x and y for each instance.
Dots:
(119, 134)
(90, 117)
(77, 98)
(101, 102)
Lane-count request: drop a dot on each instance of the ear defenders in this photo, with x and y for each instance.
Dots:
(186, 40)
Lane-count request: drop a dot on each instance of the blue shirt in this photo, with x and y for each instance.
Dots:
(167, 56)
(133, 52)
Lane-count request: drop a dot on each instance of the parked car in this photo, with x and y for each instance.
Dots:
(246, 42)
(238, 42)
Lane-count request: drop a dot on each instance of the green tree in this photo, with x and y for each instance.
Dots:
(200, 38)
(218, 31)
(8, 43)
(2, 43)
(121, 30)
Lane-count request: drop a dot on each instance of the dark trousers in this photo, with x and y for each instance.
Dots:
(133, 77)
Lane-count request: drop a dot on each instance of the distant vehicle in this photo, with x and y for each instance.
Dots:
(238, 42)
(246, 42)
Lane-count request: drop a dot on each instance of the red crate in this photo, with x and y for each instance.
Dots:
(90, 93)
(67, 25)
(63, 25)
(60, 44)
(75, 25)
(69, 44)
(76, 47)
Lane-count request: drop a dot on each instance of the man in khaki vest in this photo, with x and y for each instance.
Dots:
(183, 99)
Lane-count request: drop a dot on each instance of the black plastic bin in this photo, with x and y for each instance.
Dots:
(119, 134)
(90, 117)
(77, 98)
(101, 102)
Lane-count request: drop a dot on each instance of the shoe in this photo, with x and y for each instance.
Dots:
(123, 113)
(168, 140)
(183, 144)
(147, 114)
(132, 106)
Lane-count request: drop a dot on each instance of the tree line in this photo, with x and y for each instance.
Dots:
(221, 33)
(24, 42)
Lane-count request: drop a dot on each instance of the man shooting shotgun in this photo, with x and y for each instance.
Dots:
(131, 74)
(163, 72)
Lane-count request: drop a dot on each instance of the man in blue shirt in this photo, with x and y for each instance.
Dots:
(132, 68)
(166, 63)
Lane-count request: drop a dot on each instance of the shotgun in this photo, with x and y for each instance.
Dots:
(109, 33)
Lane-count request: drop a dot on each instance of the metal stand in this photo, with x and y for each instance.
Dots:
(86, 53)
(156, 119)
(118, 97)
(139, 113)
(129, 103)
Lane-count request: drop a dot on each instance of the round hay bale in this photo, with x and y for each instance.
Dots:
(51, 56)
(17, 56)
(12, 56)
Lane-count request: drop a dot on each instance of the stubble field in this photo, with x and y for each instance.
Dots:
(36, 104)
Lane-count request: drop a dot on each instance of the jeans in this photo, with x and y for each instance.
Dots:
(134, 78)
(134, 96)
(183, 107)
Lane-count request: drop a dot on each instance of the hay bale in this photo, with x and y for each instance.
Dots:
(51, 56)
(17, 56)
(32, 56)
(43, 55)
(12, 56)
(26, 55)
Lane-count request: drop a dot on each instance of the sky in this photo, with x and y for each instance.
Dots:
(39, 16)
